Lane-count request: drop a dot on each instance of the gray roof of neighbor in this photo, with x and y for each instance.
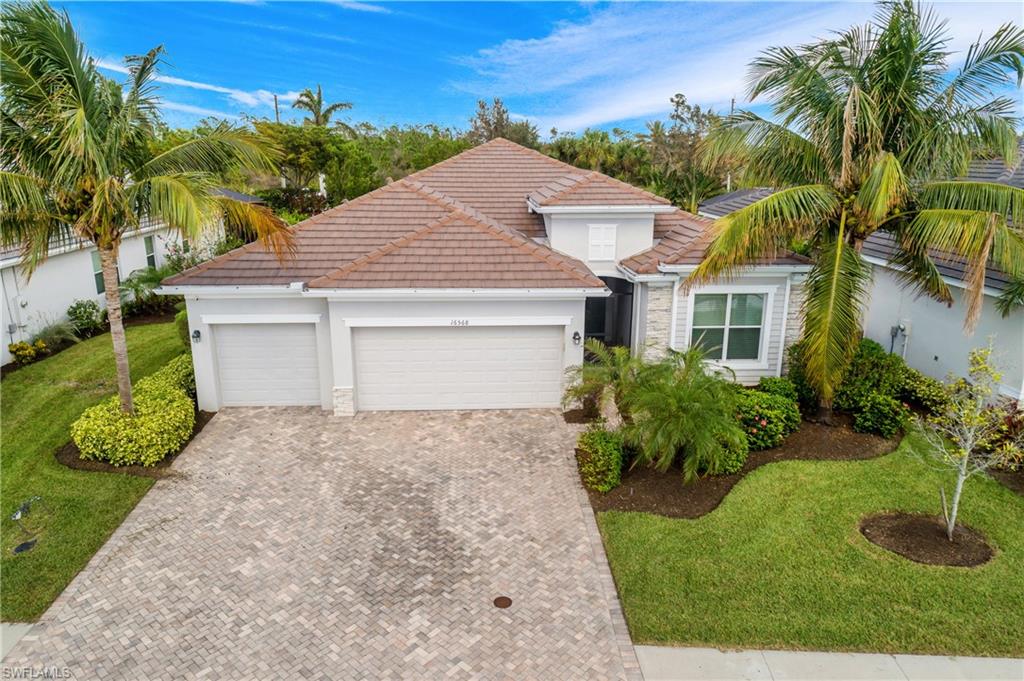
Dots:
(237, 196)
(723, 204)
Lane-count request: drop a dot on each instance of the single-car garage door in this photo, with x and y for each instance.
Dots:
(468, 367)
(267, 364)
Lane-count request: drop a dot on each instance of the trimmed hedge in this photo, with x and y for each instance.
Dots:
(881, 415)
(807, 398)
(779, 385)
(733, 458)
(181, 324)
(162, 422)
(599, 456)
(872, 370)
(922, 391)
(766, 419)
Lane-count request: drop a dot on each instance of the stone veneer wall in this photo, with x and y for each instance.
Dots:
(344, 402)
(794, 320)
(659, 319)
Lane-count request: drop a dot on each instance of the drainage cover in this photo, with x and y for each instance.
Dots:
(25, 546)
(502, 602)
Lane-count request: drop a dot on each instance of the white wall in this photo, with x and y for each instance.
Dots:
(334, 339)
(936, 343)
(570, 234)
(30, 303)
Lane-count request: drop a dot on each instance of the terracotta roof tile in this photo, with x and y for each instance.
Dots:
(593, 189)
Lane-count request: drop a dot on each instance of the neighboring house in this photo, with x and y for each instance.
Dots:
(71, 272)
(926, 333)
(471, 285)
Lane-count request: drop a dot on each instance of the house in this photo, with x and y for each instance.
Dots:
(471, 285)
(71, 272)
(928, 334)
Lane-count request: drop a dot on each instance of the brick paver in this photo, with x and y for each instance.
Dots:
(295, 544)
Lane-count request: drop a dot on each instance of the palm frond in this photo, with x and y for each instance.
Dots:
(1011, 298)
(884, 190)
(224, 146)
(272, 231)
(918, 271)
(764, 228)
(986, 197)
(835, 291)
(181, 200)
(988, 65)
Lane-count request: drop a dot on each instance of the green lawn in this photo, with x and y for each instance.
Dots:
(37, 406)
(781, 564)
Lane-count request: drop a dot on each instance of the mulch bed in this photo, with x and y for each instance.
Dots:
(922, 539)
(68, 455)
(1012, 479)
(153, 318)
(647, 490)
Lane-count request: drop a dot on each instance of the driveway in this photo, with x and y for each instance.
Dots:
(292, 543)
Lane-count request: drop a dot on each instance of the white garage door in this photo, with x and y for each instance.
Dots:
(267, 364)
(441, 367)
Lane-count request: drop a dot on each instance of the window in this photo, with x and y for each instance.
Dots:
(602, 242)
(728, 325)
(97, 272)
(150, 252)
(185, 245)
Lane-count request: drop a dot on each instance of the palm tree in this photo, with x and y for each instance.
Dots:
(608, 374)
(595, 149)
(314, 104)
(76, 158)
(867, 126)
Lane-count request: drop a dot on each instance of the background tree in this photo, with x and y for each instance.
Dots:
(77, 159)
(970, 435)
(302, 150)
(866, 128)
(313, 102)
(491, 122)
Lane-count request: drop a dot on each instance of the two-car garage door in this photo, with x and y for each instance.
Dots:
(465, 367)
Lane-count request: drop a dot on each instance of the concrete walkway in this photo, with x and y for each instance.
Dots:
(660, 663)
(11, 633)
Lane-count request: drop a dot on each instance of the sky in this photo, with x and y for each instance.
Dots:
(564, 65)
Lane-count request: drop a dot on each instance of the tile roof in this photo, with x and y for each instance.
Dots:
(723, 204)
(593, 189)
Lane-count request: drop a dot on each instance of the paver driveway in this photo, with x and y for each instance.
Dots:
(292, 543)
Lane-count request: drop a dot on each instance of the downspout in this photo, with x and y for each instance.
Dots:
(675, 308)
(785, 318)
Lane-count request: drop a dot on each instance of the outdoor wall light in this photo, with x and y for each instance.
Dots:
(196, 336)
(576, 338)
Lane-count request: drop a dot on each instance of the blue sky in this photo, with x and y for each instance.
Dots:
(567, 65)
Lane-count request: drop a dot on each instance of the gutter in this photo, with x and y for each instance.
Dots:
(956, 283)
(299, 290)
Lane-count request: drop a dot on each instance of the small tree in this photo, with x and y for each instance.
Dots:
(606, 377)
(970, 435)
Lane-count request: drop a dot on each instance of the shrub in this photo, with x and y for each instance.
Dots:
(881, 415)
(734, 456)
(922, 391)
(778, 385)
(137, 291)
(26, 353)
(872, 370)
(163, 420)
(295, 200)
(599, 456)
(86, 318)
(765, 418)
(54, 334)
(181, 324)
(807, 397)
(179, 373)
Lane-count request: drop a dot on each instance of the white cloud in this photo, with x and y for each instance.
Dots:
(626, 60)
(244, 97)
(360, 6)
(197, 110)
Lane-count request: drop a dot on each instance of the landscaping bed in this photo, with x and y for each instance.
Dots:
(648, 490)
(69, 456)
(923, 539)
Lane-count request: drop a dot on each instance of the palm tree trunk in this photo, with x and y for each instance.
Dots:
(108, 264)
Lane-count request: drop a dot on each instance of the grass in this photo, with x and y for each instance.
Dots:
(81, 509)
(781, 564)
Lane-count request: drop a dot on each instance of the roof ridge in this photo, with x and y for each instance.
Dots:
(450, 203)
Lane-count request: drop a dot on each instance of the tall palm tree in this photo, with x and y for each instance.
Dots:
(76, 157)
(867, 128)
(595, 149)
(314, 104)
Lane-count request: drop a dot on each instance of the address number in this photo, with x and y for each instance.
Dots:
(459, 322)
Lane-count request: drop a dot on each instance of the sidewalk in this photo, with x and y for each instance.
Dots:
(677, 664)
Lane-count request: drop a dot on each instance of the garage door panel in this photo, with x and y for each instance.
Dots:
(504, 367)
(267, 364)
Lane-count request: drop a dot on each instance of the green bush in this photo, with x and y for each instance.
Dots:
(599, 456)
(872, 370)
(181, 324)
(26, 353)
(179, 372)
(733, 457)
(881, 415)
(55, 334)
(86, 318)
(807, 397)
(163, 420)
(922, 391)
(779, 385)
(765, 418)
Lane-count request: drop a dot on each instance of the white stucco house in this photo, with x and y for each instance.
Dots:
(928, 334)
(472, 285)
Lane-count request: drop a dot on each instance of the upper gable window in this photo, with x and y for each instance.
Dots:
(602, 242)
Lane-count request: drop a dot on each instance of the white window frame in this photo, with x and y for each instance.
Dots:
(601, 240)
(149, 246)
(766, 322)
(97, 271)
